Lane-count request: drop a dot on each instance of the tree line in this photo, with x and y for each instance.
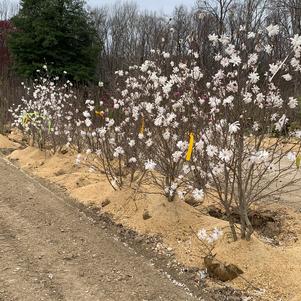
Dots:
(90, 44)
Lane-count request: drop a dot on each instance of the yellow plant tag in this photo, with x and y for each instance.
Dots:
(142, 126)
(99, 113)
(298, 161)
(190, 147)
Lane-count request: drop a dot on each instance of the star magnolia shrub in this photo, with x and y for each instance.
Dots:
(48, 112)
(250, 105)
(146, 127)
(187, 131)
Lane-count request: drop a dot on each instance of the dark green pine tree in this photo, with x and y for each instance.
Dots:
(58, 33)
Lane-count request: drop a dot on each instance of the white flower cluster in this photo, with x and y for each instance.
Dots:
(47, 113)
(210, 238)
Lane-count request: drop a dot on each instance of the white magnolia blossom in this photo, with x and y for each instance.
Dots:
(261, 156)
(150, 165)
(253, 58)
(268, 49)
(293, 103)
(133, 160)
(291, 156)
(177, 156)
(198, 194)
(274, 68)
(225, 155)
(213, 38)
(281, 123)
(224, 39)
(216, 234)
(228, 100)
(254, 77)
(251, 35)
(297, 134)
(78, 159)
(255, 126)
(119, 151)
(202, 234)
(166, 135)
(273, 30)
(296, 41)
(88, 122)
(234, 127)
(132, 143)
(210, 238)
(235, 59)
(287, 77)
(166, 55)
(211, 150)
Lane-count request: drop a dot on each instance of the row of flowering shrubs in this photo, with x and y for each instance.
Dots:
(181, 130)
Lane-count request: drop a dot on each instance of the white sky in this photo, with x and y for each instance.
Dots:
(165, 6)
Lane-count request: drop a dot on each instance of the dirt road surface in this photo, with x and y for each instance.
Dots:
(49, 250)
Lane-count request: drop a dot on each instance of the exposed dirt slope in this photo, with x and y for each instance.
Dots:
(6, 143)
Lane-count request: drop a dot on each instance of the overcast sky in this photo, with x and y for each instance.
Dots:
(165, 6)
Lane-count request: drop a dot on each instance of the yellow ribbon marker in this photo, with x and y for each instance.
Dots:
(100, 113)
(298, 161)
(142, 126)
(27, 117)
(190, 147)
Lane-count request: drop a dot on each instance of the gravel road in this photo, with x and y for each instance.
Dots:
(50, 250)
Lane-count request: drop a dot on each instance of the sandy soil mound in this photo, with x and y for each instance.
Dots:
(29, 158)
(275, 270)
(7, 143)
(16, 135)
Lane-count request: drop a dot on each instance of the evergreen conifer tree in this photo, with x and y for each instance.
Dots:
(58, 33)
